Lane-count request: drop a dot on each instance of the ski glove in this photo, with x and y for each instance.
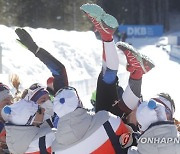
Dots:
(26, 40)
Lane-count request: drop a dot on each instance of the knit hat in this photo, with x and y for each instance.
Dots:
(35, 92)
(4, 92)
(150, 112)
(66, 101)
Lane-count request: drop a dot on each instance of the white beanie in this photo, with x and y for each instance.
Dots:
(20, 113)
(65, 101)
(150, 112)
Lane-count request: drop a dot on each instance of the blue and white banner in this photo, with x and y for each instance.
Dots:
(142, 30)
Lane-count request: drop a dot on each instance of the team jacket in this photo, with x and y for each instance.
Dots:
(29, 139)
(82, 133)
(160, 138)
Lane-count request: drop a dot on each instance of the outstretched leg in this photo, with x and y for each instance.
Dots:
(106, 25)
(110, 96)
(137, 64)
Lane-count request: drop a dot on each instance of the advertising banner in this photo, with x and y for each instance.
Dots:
(142, 30)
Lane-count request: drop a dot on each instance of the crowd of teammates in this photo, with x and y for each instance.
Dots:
(52, 119)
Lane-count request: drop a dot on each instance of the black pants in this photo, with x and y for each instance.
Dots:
(106, 95)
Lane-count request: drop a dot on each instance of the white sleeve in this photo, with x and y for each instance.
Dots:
(112, 60)
(129, 98)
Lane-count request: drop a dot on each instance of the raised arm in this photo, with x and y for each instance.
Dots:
(57, 69)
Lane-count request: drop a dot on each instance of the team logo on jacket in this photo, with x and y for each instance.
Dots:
(126, 140)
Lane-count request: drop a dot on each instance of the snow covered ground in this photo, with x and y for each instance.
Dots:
(80, 52)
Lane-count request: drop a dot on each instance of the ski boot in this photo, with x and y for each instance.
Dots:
(138, 64)
(104, 23)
